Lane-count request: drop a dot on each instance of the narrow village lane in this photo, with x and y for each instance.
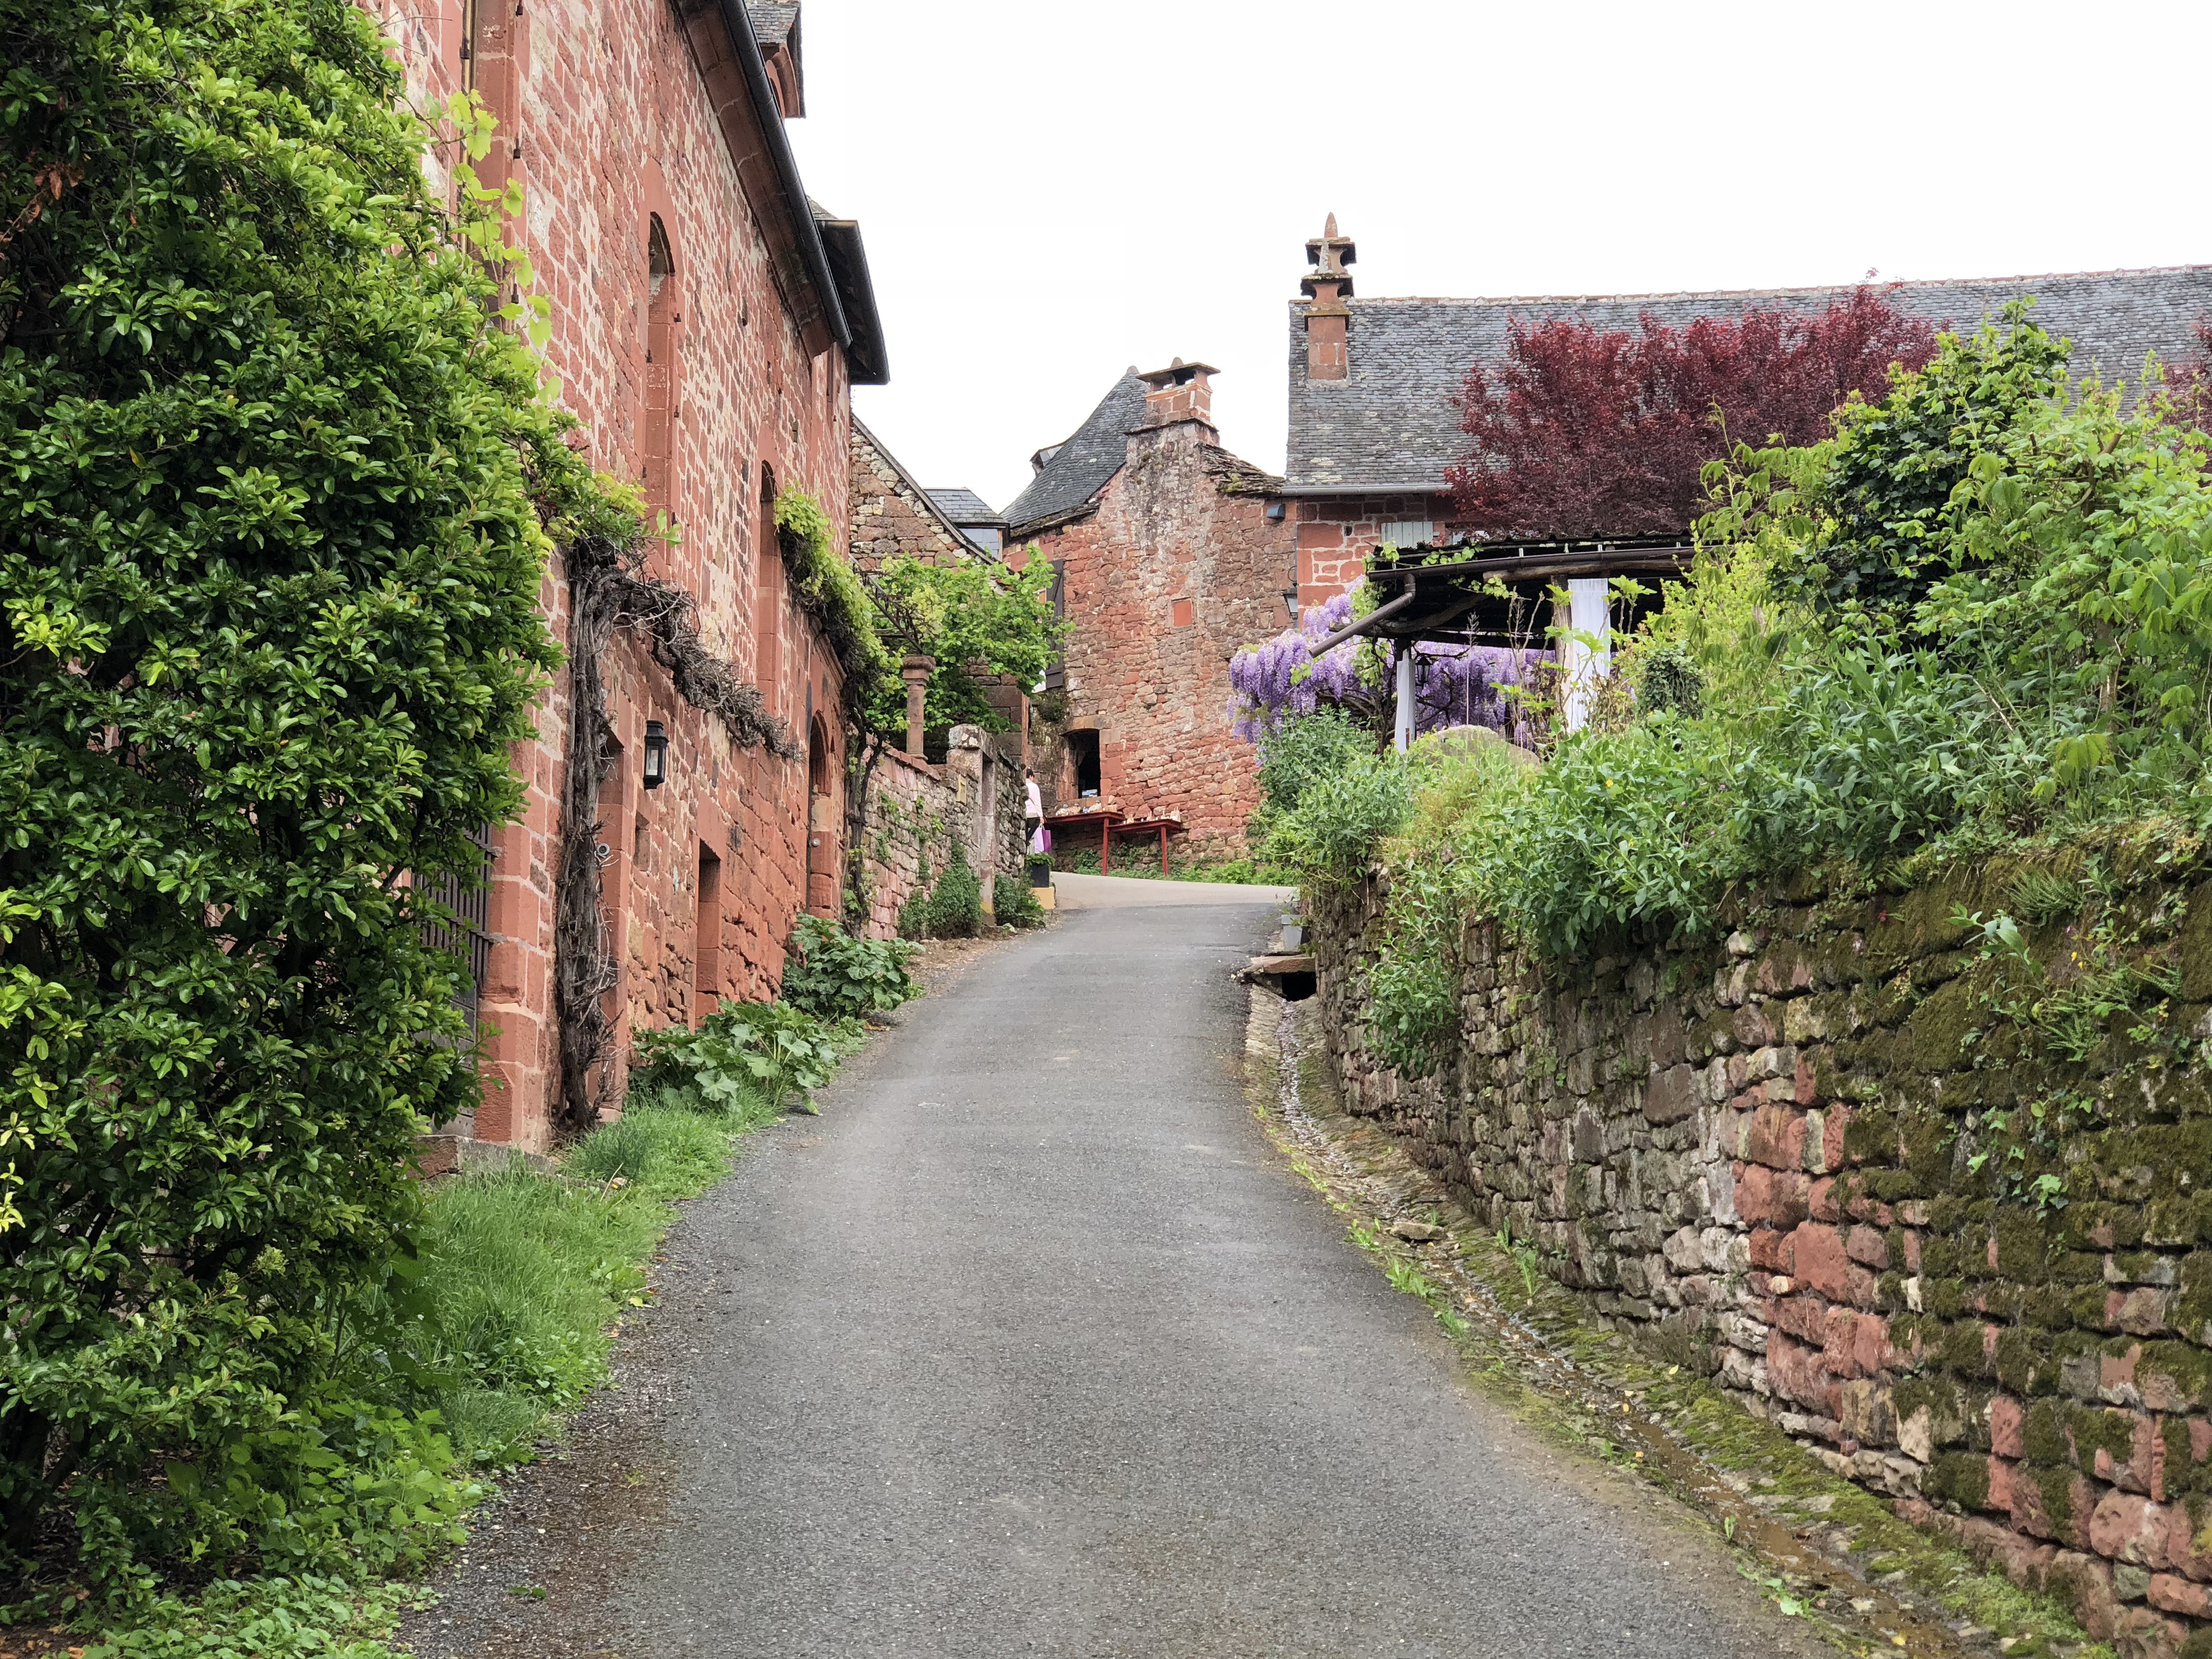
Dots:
(1034, 1345)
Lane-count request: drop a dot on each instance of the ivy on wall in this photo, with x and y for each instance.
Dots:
(278, 474)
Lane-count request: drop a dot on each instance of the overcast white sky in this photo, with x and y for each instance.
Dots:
(1051, 191)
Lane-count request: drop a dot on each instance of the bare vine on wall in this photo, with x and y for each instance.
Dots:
(609, 591)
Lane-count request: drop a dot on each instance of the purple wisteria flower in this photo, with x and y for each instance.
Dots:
(1453, 684)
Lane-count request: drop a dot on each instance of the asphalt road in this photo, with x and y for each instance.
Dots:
(1033, 1345)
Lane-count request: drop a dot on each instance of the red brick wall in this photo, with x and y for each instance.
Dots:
(1164, 583)
(1337, 533)
(606, 119)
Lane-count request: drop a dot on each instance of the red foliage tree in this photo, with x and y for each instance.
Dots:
(2189, 382)
(1590, 432)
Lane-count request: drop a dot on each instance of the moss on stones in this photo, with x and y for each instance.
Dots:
(1961, 1477)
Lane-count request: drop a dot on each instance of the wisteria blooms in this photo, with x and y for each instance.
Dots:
(1453, 684)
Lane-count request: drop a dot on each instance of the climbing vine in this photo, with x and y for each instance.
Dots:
(608, 592)
(828, 590)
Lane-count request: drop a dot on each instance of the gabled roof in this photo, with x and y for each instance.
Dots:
(925, 501)
(1233, 475)
(777, 28)
(1079, 468)
(1391, 425)
(965, 507)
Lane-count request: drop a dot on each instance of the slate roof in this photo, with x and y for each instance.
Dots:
(965, 506)
(1079, 468)
(1391, 425)
(772, 24)
(1233, 475)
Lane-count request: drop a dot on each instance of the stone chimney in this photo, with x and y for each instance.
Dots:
(1179, 393)
(1327, 317)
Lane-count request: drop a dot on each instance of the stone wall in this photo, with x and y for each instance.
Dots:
(1178, 567)
(893, 516)
(1338, 534)
(1842, 1160)
(917, 812)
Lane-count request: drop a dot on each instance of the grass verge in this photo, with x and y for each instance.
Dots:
(1141, 865)
(523, 1281)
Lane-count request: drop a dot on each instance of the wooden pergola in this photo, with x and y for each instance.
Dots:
(1490, 593)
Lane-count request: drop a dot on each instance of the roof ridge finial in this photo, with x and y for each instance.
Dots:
(1331, 230)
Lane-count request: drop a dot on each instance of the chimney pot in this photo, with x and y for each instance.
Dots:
(1179, 393)
(1328, 318)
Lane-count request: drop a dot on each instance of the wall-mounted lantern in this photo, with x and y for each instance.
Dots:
(656, 754)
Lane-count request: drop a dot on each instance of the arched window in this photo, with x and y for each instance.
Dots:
(659, 371)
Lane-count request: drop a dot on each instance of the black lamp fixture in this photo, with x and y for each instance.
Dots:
(1291, 603)
(656, 754)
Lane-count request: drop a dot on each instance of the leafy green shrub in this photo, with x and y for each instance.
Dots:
(269, 570)
(955, 902)
(1897, 464)
(1015, 905)
(974, 619)
(1869, 754)
(1298, 753)
(1342, 818)
(913, 915)
(829, 972)
(1983, 611)
(1621, 832)
(744, 1059)
(1669, 681)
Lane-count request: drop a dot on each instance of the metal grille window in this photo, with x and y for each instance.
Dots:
(469, 937)
(1404, 534)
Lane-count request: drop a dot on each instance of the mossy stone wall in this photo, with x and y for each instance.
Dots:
(1936, 1200)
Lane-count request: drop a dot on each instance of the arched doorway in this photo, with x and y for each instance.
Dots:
(823, 819)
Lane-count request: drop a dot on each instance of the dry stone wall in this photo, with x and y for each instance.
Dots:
(917, 812)
(1940, 1208)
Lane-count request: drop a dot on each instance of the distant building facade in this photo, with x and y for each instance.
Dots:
(1168, 553)
(1172, 553)
(1372, 425)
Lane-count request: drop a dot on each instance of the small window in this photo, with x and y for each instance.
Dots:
(1181, 611)
(660, 263)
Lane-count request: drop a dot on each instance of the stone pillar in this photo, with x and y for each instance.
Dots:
(915, 672)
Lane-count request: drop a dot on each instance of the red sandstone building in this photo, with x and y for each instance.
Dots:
(1171, 553)
(707, 325)
(1373, 424)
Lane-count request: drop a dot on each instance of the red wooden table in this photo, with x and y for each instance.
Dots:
(1164, 827)
(1105, 817)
